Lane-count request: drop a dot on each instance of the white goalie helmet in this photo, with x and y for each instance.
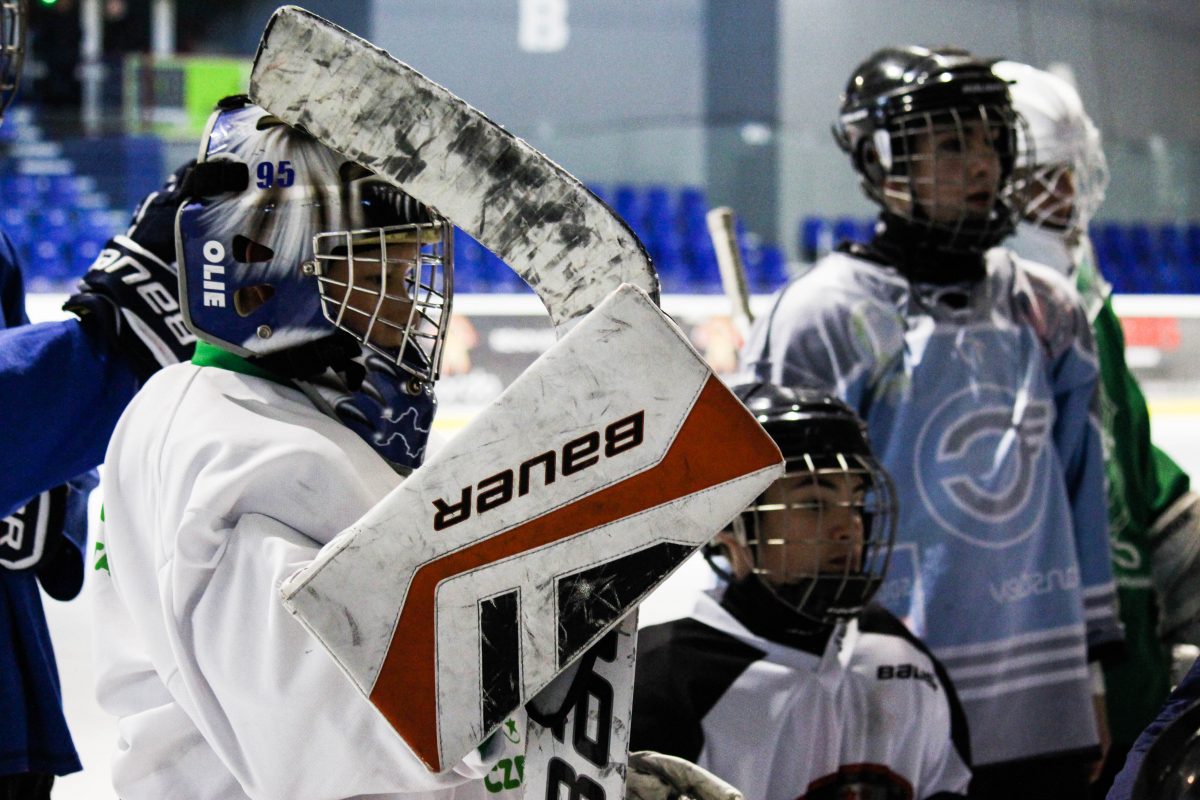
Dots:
(1061, 169)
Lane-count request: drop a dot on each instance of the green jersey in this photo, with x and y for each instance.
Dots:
(1143, 482)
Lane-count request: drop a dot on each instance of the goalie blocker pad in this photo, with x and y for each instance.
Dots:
(535, 530)
(562, 240)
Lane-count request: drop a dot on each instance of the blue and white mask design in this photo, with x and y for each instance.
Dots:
(287, 243)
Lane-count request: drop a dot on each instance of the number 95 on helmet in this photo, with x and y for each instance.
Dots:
(295, 257)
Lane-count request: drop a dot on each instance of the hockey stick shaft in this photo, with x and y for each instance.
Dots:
(722, 229)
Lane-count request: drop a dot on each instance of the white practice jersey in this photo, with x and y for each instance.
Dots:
(872, 715)
(219, 485)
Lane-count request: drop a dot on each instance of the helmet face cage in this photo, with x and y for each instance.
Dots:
(13, 22)
(308, 245)
(1061, 169)
(1062, 194)
(821, 536)
(950, 172)
(390, 288)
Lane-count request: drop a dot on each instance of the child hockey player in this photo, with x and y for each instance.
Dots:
(975, 373)
(782, 679)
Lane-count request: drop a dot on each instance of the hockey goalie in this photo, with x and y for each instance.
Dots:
(292, 602)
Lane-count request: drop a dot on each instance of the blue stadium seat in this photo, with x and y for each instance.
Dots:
(84, 253)
(693, 207)
(47, 260)
(1113, 256)
(816, 238)
(1145, 267)
(62, 191)
(630, 206)
(769, 273)
(468, 264)
(602, 191)
(1192, 246)
(15, 221)
(659, 208)
(20, 190)
(1173, 258)
(848, 229)
(55, 225)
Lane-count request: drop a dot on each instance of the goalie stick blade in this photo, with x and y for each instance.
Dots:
(537, 528)
(356, 98)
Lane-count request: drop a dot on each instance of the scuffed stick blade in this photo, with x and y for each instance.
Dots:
(558, 236)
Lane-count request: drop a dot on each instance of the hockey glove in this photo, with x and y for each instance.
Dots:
(48, 535)
(130, 295)
(655, 776)
(1175, 568)
(24, 533)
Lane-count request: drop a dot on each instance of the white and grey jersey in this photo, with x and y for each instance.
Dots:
(874, 712)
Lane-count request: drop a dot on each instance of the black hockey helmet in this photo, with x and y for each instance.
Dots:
(899, 107)
(821, 536)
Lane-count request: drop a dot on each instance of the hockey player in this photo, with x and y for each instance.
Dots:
(975, 373)
(782, 679)
(62, 386)
(1064, 173)
(226, 474)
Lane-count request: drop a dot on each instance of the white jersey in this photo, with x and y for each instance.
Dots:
(872, 713)
(219, 485)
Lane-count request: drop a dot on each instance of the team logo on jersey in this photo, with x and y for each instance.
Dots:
(860, 782)
(980, 458)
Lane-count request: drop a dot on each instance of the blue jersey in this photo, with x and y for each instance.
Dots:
(979, 399)
(60, 396)
(58, 381)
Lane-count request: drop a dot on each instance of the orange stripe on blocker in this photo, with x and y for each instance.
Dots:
(718, 442)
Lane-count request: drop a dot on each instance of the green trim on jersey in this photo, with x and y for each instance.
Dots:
(209, 355)
(1142, 482)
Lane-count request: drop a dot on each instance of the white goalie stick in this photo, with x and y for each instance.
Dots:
(517, 547)
(722, 229)
(499, 562)
(356, 98)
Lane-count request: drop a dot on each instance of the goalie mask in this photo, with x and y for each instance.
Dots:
(293, 256)
(821, 536)
(1061, 169)
(14, 16)
(933, 135)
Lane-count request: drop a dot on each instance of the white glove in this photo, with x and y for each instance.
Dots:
(1175, 567)
(655, 776)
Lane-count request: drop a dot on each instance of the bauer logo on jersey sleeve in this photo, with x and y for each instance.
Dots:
(977, 454)
(535, 530)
